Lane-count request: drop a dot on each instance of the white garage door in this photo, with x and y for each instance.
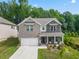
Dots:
(29, 41)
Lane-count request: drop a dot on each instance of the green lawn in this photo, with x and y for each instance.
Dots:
(67, 53)
(8, 47)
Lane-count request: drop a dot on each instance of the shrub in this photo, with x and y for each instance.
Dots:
(50, 46)
(72, 34)
(61, 46)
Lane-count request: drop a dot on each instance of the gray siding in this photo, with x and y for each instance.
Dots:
(23, 33)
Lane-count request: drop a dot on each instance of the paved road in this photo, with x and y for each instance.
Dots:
(26, 52)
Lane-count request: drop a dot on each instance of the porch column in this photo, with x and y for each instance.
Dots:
(54, 39)
(47, 40)
(62, 39)
(39, 41)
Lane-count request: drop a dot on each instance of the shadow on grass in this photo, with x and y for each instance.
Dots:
(74, 46)
(12, 41)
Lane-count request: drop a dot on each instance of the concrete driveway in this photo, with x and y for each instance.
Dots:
(26, 52)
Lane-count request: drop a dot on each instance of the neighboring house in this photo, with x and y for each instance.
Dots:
(7, 29)
(40, 31)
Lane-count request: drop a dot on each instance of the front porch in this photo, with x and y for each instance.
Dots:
(44, 40)
(50, 37)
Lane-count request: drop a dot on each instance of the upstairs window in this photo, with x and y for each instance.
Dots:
(52, 28)
(29, 28)
(43, 28)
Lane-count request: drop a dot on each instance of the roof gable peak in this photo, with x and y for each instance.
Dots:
(41, 21)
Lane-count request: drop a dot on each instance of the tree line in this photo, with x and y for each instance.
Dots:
(17, 11)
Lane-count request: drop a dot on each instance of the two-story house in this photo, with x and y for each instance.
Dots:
(40, 31)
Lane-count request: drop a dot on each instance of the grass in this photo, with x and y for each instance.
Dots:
(65, 53)
(8, 47)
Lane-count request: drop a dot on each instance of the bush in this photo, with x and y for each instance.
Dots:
(72, 34)
(50, 46)
(61, 46)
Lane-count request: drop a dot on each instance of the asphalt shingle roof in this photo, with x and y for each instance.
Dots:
(4, 21)
(41, 21)
(44, 21)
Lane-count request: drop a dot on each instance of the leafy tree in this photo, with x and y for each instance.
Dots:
(69, 19)
(13, 11)
(77, 22)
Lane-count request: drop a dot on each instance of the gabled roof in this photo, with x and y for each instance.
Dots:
(45, 21)
(41, 21)
(4, 21)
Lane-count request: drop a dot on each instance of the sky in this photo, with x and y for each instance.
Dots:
(60, 5)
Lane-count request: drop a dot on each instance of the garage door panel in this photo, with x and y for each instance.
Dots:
(29, 41)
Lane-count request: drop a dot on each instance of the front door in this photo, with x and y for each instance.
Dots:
(43, 40)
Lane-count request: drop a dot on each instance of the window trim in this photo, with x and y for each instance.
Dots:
(43, 28)
(29, 28)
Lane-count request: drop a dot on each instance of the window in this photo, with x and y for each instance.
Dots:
(58, 28)
(29, 28)
(53, 28)
(43, 28)
(12, 27)
(58, 39)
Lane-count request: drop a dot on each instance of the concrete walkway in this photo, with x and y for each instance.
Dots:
(26, 52)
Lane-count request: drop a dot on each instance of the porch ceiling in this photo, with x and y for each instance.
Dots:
(52, 34)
